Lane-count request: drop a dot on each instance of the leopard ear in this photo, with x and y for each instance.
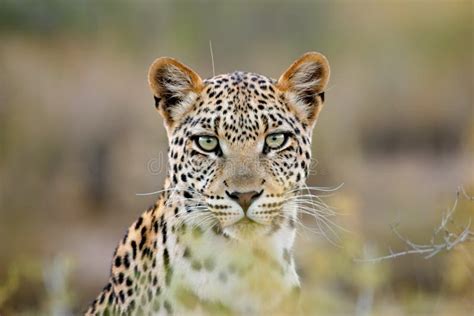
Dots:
(175, 88)
(304, 83)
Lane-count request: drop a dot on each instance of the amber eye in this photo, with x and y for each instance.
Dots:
(276, 140)
(207, 143)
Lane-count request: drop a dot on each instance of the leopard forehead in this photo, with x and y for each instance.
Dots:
(239, 107)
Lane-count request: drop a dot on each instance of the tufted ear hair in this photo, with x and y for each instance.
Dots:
(175, 87)
(304, 83)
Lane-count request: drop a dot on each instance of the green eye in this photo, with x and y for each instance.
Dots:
(276, 140)
(207, 143)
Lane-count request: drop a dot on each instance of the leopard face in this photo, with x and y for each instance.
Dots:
(240, 143)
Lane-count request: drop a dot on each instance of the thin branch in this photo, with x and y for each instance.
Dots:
(449, 238)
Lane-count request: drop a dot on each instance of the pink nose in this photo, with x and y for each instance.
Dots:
(245, 199)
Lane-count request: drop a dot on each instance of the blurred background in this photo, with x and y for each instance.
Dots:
(78, 131)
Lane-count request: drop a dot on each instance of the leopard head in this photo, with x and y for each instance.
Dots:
(240, 143)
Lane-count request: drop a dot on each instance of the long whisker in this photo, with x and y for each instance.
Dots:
(173, 189)
(315, 188)
(192, 217)
(312, 205)
(297, 221)
(156, 192)
(314, 212)
(318, 206)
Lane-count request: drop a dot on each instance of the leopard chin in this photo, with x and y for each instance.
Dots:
(246, 230)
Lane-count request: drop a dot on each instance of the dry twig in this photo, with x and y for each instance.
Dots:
(445, 237)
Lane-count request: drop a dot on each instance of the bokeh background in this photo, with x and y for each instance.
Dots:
(78, 131)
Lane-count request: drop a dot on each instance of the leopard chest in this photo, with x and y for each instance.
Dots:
(211, 271)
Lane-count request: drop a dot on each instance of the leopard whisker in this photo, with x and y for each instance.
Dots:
(317, 206)
(156, 192)
(190, 218)
(313, 212)
(323, 222)
(314, 207)
(302, 228)
(330, 225)
(316, 188)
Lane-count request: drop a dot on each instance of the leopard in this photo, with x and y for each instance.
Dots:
(219, 238)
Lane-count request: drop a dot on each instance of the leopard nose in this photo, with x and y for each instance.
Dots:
(245, 199)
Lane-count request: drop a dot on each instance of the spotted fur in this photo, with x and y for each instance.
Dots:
(196, 250)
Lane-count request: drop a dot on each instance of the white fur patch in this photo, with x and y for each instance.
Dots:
(178, 84)
(303, 79)
(304, 83)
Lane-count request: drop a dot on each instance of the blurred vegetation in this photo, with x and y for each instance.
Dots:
(78, 129)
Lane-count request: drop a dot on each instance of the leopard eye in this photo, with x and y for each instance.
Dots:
(276, 140)
(207, 143)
